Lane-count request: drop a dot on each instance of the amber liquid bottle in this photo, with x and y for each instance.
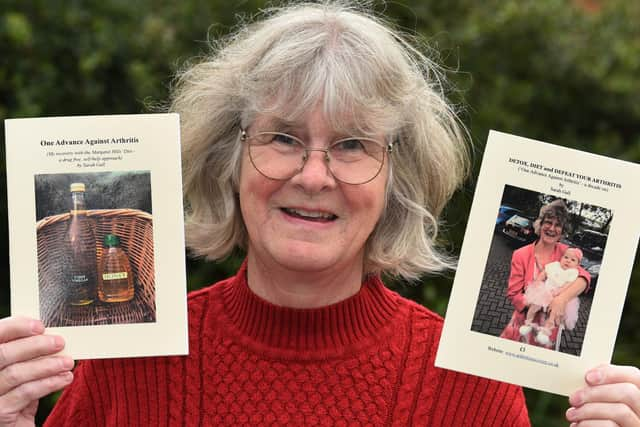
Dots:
(116, 281)
(80, 252)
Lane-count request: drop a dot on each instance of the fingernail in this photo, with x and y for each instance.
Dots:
(67, 362)
(594, 377)
(575, 399)
(37, 327)
(67, 377)
(58, 342)
(571, 414)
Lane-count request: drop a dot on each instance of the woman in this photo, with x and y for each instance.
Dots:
(319, 141)
(527, 268)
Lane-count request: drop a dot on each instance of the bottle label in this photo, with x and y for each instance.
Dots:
(114, 276)
(79, 278)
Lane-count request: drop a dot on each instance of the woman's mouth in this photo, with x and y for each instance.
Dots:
(309, 215)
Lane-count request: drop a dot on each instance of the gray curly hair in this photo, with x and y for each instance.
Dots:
(555, 210)
(364, 72)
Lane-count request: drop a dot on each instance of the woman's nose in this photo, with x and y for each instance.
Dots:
(315, 175)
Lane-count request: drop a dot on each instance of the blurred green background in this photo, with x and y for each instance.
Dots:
(566, 72)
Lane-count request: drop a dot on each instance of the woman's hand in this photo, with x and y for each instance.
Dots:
(559, 302)
(611, 398)
(29, 369)
(557, 308)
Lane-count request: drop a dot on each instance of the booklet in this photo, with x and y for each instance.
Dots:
(96, 235)
(518, 176)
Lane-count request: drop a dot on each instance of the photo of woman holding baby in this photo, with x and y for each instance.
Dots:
(545, 281)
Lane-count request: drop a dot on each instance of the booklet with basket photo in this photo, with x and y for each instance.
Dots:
(96, 235)
(544, 266)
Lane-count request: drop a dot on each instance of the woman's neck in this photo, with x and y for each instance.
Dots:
(544, 251)
(301, 289)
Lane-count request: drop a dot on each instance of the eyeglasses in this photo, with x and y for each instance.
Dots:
(350, 160)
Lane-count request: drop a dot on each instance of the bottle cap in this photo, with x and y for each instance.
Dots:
(76, 186)
(111, 240)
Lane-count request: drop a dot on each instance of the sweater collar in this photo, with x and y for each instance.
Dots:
(345, 323)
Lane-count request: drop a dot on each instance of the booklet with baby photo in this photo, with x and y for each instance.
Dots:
(544, 266)
(96, 233)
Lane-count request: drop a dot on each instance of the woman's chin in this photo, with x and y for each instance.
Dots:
(310, 257)
(307, 260)
(550, 240)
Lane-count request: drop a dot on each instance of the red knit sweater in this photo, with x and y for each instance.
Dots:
(367, 360)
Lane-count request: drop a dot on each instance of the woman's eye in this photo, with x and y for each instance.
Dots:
(349, 145)
(284, 139)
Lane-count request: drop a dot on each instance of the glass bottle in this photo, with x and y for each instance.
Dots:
(80, 251)
(116, 281)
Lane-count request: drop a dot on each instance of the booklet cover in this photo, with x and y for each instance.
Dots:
(96, 235)
(519, 176)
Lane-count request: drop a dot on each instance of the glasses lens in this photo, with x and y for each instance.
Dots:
(276, 155)
(281, 156)
(356, 160)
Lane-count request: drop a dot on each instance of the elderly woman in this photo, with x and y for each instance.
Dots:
(528, 267)
(318, 140)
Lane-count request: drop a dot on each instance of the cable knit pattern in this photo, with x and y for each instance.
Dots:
(365, 361)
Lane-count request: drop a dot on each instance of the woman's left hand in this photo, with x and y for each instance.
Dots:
(611, 398)
(557, 308)
(559, 302)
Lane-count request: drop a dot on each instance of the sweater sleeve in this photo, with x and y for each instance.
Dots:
(75, 406)
(477, 401)
(124, 392)
(451, 398)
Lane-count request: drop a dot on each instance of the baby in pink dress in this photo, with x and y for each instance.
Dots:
(556, 277)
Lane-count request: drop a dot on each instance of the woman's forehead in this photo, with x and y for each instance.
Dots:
(551, 218)
(337, 124)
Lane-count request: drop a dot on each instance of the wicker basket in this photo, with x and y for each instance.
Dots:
(135, 230)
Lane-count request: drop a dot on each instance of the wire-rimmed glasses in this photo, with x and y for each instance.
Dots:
(279, 156)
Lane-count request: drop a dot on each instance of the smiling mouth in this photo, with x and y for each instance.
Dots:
(309, 215)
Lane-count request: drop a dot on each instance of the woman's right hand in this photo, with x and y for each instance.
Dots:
(29, 369)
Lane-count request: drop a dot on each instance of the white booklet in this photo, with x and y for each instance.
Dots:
(517, 177)
(96, 232)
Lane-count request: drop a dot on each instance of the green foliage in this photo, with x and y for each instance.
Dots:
(547, 70)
